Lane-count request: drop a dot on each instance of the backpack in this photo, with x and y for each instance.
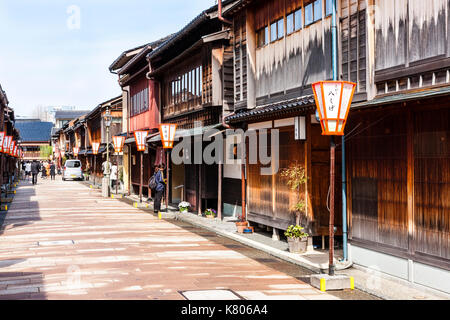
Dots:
(152, 182)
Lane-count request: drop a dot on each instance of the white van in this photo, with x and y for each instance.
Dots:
(72, 170)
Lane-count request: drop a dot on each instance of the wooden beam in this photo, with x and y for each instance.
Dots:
(410, 180)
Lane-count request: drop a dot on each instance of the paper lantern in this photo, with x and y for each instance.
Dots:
(95, 147)
(333, 100)
(118, 141)
(167, 132)
(140, 137)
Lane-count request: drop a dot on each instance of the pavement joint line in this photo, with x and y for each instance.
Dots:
(285, 256)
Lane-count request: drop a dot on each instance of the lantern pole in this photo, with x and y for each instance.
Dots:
(117, 171)
(331, 266)
(95, 167)
(167, 179)
(142, 176)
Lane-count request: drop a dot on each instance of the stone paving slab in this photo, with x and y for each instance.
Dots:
(97, 248)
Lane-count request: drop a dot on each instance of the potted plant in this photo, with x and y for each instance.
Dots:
(184, 206)
(297, 239)
(210, 213)
(241, 224)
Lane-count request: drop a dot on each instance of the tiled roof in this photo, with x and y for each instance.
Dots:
(70, 114)
(34, 131)
(283, 107)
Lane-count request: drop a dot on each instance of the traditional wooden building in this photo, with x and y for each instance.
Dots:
(35, 134)
(280, 49)
(141, 112)
(194, 71)
(95, 131)
(397, 151)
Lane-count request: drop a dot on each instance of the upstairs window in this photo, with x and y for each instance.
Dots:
(328, 7)
(290, 23)
(273, 32)
(298, 23)
(277, 30)
(313, 12)
(294, 21)
(262, 36)
(317, 10)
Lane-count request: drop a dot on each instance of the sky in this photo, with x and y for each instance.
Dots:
(57, 52)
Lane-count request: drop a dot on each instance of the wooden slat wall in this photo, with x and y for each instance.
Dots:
(432, 182)
(240, 58)
(378, 178)
(353, 42)
(269, 195)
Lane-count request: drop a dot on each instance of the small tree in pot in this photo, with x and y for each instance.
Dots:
(297, 239)
(295, 177)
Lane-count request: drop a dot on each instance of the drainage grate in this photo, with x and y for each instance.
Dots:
(55, 243)
(222, 294)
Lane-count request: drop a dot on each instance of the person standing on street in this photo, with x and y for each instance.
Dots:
(52, 171)
(44, 171)
(35, 171)
(160, 187)
(113, 176)
(28, 170)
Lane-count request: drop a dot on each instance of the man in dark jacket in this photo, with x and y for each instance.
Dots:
(52, 171)
(35, 167)
(160, 186)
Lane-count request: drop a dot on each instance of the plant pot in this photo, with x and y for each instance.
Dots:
(210, 216)
(241, 223)
(297, 245)
(183, 210)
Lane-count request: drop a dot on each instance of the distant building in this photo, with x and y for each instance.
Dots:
(65, 116)
(34, 134)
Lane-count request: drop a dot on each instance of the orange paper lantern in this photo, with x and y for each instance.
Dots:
(118, 141)
(167, 132)
(333, 100)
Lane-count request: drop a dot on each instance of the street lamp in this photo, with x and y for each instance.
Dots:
(333, 100)
(167, 132)
(118, 147)
(140, 137)
(107, 118)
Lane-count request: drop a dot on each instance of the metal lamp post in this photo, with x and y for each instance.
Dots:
(140, 137)
(167, 132)
(333, 100)
(118, 142)
(107, 118)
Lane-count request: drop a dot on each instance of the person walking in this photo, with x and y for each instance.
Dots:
(52, 171)
(159, 190)
(35, 171)
(44, 171)
(113, 176)
(28, 170)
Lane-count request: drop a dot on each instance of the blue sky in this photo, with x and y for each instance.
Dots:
(44, 62)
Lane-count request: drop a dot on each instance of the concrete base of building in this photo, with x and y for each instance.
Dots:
(404, 269)
(325, 282)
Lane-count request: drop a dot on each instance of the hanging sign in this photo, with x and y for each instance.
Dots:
(2, 138)
(6, 143)
(95, 147)
(140, 137)
(11, 148)
(14, 153)
(118, 143)
(62, 153)
(167, 132)
(76, 150)
(333, 100)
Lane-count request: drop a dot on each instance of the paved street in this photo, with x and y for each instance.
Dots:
(62, 240)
